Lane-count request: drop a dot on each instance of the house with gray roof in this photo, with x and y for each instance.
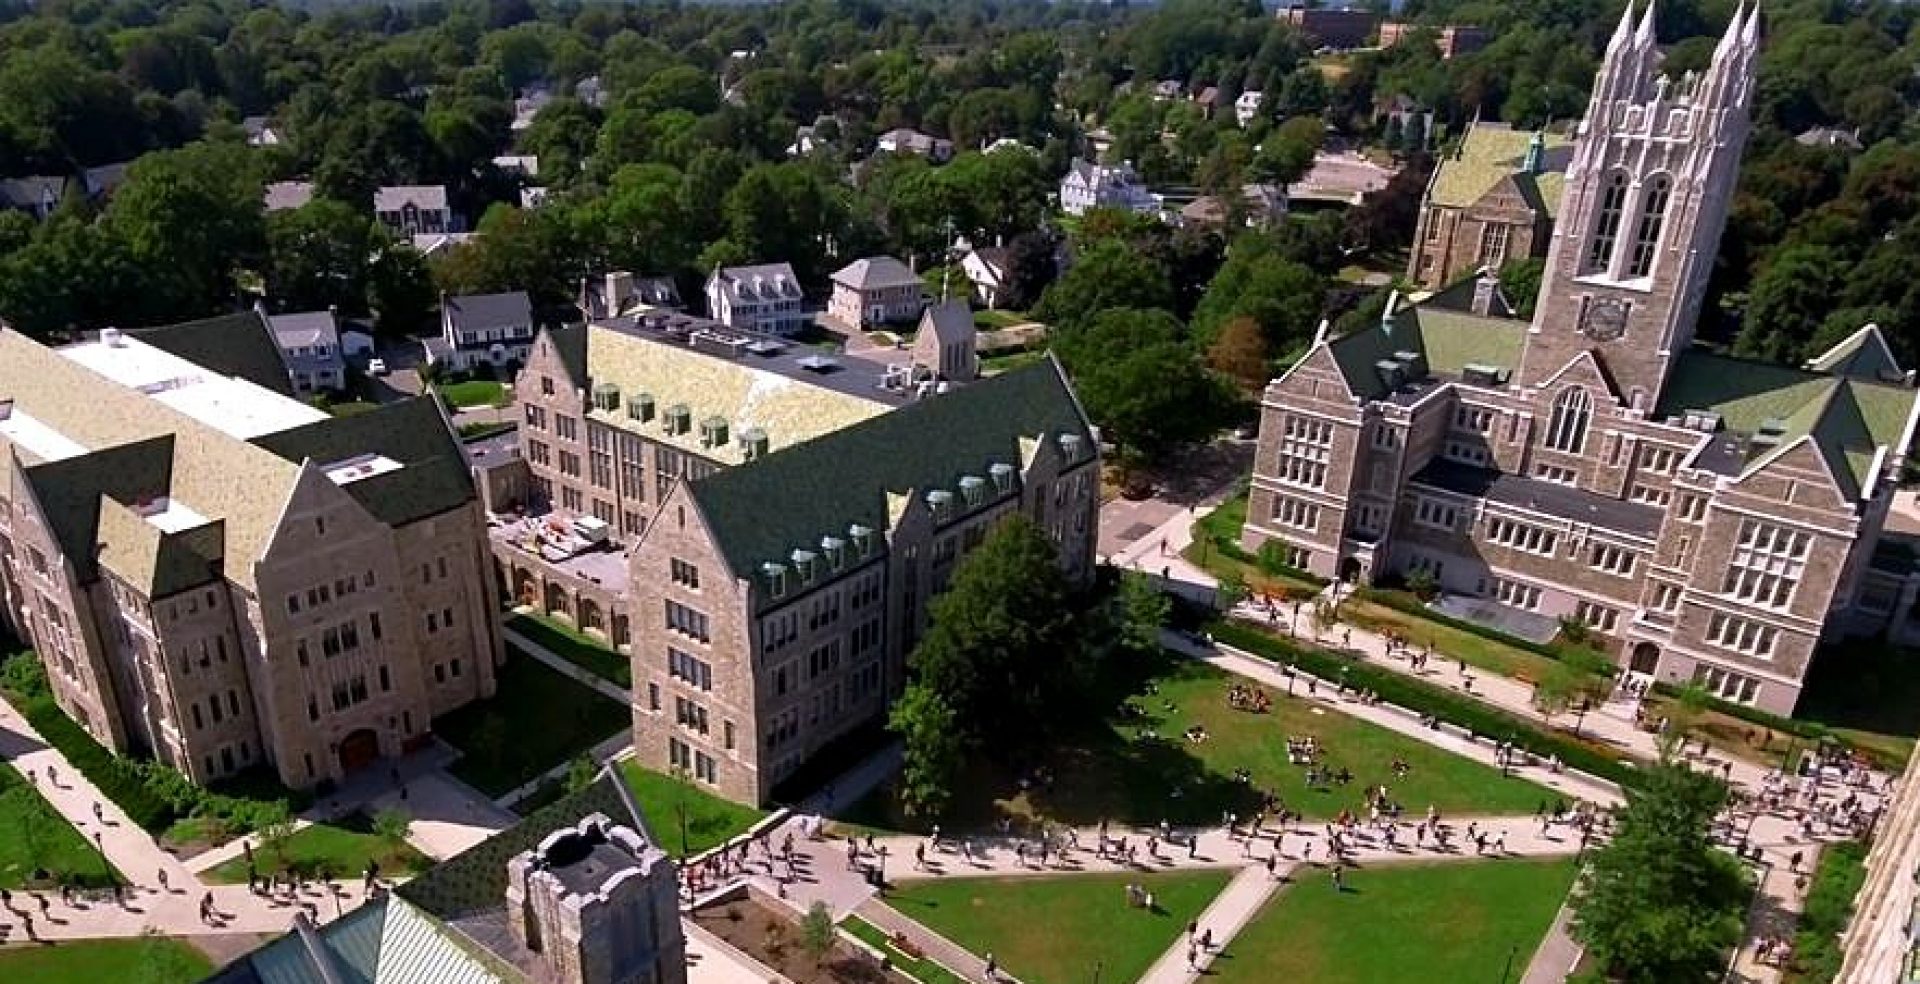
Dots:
(1088, 185)
(281, 195)
(876, 291)
(38, 196)
(490, 331)
(310, 343)
(764, 298)
(906, 140)
(620, 294)
(412, 210)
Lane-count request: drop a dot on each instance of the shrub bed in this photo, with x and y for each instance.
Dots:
(1425, 698)
(1402, 602)
(1816, 944)
(119, 779)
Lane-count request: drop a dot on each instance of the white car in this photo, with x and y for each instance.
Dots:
(376, 367)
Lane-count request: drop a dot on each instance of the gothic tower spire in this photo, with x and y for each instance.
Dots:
(1652, 169)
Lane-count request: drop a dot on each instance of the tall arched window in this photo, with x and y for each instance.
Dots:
(1653, 216)
(1567, 431)
(1606, 228)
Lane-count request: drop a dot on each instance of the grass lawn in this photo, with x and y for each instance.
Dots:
(925, 971)
(474, 393)
(576, 647)
(1053, 930)
(1216, 549)
(34, 837)
(711, 821)
(1491, 655)
(343, 847)
(1454, 921)
(351, 408)
(994, 320)
(994, 364)
(536, 720)
(150, 960)
(1125, 774)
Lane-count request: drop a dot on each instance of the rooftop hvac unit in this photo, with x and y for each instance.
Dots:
(1392, 374)
(1477, 374)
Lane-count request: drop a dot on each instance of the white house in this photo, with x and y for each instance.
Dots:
(310, 345)
(987, 270)
(1089, 185)
(903, 140)
(483, 330)
(409, 210)
(1247, 107)
(764, 298)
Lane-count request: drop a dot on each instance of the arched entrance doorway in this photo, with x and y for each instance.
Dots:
(359, 749)
(1350, 569)
(1646, 658)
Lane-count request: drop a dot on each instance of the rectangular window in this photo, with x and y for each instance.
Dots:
(1657, 459)
(1726, 684)
(1652, 495)
(565, 427)
(685, 574)
(1436, 514)
(1493, 244)
(1555, 474)
(1767, 564)
(1306, 445)
(1295, 513)
(689, 670)
(686, 621)
(1666, 597)
(1522, 536)
(653, 697)
(1516, 594)
(1467, 453)
(1611, 559)
(1598, 616)
(1742, 635)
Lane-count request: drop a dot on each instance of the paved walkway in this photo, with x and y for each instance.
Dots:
(938, 948)
(601, 685)
(1229, 913)
(172, 912)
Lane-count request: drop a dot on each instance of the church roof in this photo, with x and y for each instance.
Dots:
(1491, 152)
(1449, 339)
(1863, 355)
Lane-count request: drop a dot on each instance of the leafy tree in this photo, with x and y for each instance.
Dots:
(1280, 296)
(1140, 381)
(1230, 591)
(1106, 275)
(1660, 903)
(930, 749)
(1520, 283)
(1557, 690)
(1286, 155)
(320, 255)
(400, 291)
(274, 824)
(1143, 610)
(1789, 298)
(581, 772)
(1240, 352)
(1002, 640)
(390, 827)
(816, 931)
(1031, 267)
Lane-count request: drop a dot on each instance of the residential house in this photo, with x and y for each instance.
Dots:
(260, 131)
(621, 294)
(822, 134)
(591, 91)
(1711, 519)
(903, 140)
(1261, 206)
(1088, 185)
(38, 196)
(310, 344)
(1453, 40)
(875, 291)
(483, 331)
(1168, 90)
(1246, 108)
(412, 210)
(1208, 99)
(281, 195)
(518, 165)
(1331, 27)
(528, 105)
(101, 182)
(988, 270)
(764, 298)
(1493, 200)
(1827, 136)
(780, 520)
(221, 577)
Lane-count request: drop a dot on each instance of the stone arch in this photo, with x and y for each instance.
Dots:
(1350, 569)
(557, 602)
(622, 630)
(526, 587)
(1645, 658)
(588, 616)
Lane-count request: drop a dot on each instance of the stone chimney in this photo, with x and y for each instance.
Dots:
(619, 288)
(596, 904)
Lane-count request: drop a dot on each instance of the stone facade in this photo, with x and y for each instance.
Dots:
(1489, 203)
(769, 576)
(597, 904)
(1703, 514)
(225, 599)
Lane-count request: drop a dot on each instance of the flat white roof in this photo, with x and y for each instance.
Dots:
(172, 516)
(38, 439)
(228, 404)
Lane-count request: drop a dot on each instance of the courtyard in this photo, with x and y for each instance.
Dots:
(536, 721)
(1454, 921)
(1057, 930)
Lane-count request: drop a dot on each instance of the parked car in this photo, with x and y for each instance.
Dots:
(376, 367)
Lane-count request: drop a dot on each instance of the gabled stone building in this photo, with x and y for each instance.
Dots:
(1713, 517)
(220, 576)
(762, 527)
(1491, 201)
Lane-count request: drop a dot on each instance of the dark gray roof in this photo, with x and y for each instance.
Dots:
(232, 344)
(434, 478)
(33, 192)
(762, 510)
(951, 321)
(105, 179)
(427, 197)
(484, 311)
(1553, 499)
(875, 273)
(494, 450)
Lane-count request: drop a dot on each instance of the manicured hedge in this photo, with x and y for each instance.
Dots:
(1425, 698)
(1816, 945)
(1809, 730)
(118, 779)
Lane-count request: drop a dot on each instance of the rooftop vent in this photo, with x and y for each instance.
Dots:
(1002, 476)
(1704, 421)
(678, 420)
(1480, 374)
(941, 501)
(112, 338)
(753, 443)
(819, 364)
(1415, 364)
(1070, 446)
(606, 396)
(640, 406)
(803, 563)
(973, 489)
(713, 432)
(721, 343)
(835, 549)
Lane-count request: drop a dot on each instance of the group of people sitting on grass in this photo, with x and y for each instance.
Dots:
(1242, 697)
(1303, 751)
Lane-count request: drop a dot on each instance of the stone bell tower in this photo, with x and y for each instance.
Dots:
(1653, 169)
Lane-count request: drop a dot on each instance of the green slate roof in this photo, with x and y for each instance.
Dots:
(412, 432)
(1847, 418)
(762, 510)
(570, 343)
(1490, 152)
(70, 492)
(1450, 340)
(1863, 355)
(232, 344)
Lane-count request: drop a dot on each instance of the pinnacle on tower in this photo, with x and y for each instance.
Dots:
(1624, 31)
(1643, 36)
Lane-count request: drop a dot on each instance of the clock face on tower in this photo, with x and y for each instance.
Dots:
(1604, 320)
